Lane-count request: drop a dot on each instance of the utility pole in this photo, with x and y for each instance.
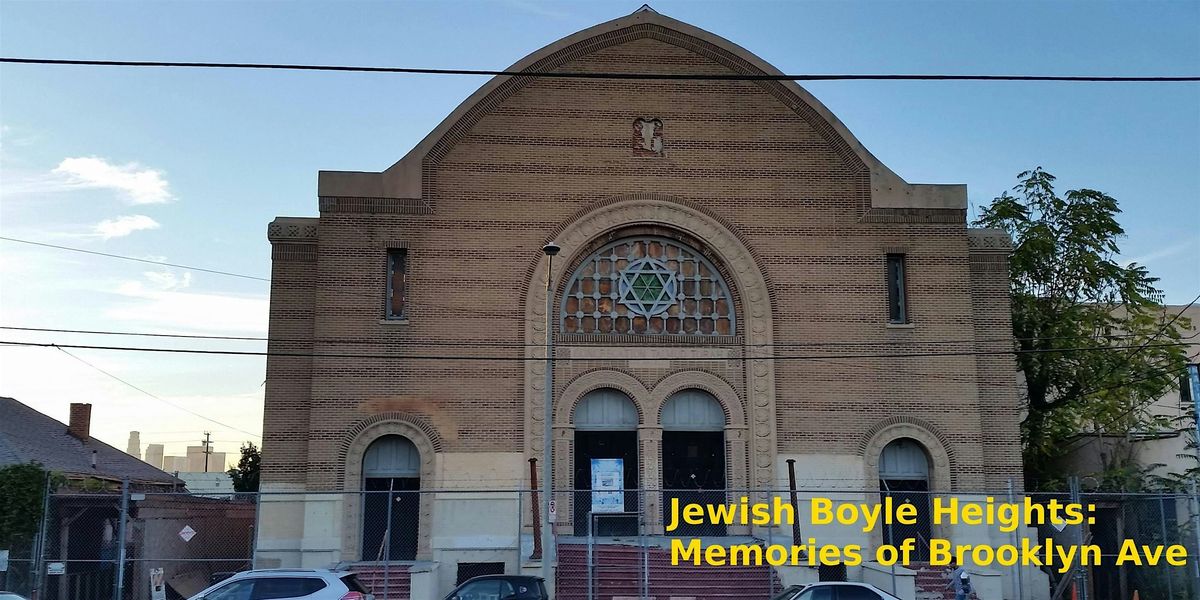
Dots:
(207, 442)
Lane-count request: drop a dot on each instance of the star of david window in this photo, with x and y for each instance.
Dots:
(647, 286)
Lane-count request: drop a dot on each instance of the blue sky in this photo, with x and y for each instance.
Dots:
(189, 166)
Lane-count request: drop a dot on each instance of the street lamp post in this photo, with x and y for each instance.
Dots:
(549, 552)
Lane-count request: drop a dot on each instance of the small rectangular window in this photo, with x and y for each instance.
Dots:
(897, 301)
(396, 299)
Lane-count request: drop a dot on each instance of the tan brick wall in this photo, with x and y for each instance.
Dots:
(790, 188)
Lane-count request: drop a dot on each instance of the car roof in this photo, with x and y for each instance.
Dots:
(848, 584)
(503, 576)
(277, 572)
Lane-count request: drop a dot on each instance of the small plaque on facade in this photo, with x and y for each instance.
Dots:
(648, 137)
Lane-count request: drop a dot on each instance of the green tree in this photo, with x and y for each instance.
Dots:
(21, 489)
(245, 474)
(1069, 290)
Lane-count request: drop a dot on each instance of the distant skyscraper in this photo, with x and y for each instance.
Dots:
(135, 444)
(154, 455)
(175, 464)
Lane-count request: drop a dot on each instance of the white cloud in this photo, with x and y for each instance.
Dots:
(1161, 253)
(123, 226)
(141, 185)
(168, 280)
(178, 310)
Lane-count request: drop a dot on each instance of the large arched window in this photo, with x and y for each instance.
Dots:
(648, 285)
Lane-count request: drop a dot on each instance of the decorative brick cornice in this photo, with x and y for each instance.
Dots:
(989, 240)
(293, 230)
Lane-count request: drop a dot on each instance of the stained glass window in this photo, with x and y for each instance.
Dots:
(648, 286)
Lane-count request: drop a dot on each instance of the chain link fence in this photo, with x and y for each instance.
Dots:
(409, 543)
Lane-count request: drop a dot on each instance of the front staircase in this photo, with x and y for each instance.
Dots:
(395, 585)
(931, 582)
(618, 574)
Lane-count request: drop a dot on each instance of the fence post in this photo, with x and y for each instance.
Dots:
(254, 532)
(1162, 521)
(119, 579)
(1081, 584)
(35, 582)
(1016, 535)
(644, 531)
(387, 543)
(537, 511)
(1194, 508)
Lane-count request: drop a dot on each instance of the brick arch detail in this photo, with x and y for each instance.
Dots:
(353, 448)
(747, 277)
(564, 410)
(726, 396)
(937, 447)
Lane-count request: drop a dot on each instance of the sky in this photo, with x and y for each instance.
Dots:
(189, 166)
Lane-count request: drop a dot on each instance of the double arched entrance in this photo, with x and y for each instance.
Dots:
(621, 464)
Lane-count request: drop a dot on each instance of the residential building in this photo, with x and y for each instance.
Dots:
(27, 435)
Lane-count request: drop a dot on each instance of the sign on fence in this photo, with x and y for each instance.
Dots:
(56, 568)
(3, 560)
(158, 585)
(187, 533)
(608, 485)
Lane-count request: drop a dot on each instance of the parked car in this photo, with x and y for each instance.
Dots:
(289, 584)
(11, 596)
(834, 590)
(501, 587)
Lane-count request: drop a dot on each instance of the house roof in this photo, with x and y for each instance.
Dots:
(27, 435)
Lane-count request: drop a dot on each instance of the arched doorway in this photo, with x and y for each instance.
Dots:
(693, 461)
(391, 504)
(606, 454)
(904, 476)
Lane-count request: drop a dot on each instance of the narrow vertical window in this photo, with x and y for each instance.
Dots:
(897, 303)
(397, 263)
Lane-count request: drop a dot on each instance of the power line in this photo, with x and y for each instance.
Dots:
(141, 260)
(601, 75)
(164, 401)
(501, 344)
(424, 357)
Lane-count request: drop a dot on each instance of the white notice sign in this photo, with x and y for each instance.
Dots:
(608, 485)
(158, 585)
(187, 533)
(3, 560)
(56, 568)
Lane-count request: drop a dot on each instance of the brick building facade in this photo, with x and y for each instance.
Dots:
(766, 233)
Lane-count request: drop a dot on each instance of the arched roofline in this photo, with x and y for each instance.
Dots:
(405, 178)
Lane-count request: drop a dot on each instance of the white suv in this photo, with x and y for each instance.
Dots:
(289, 584)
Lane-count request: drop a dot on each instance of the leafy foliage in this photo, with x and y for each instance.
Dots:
(21, 489)
(1069, 290)
(245, 474)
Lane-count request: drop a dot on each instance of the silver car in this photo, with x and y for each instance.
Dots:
(289, 584)
(834, 590)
